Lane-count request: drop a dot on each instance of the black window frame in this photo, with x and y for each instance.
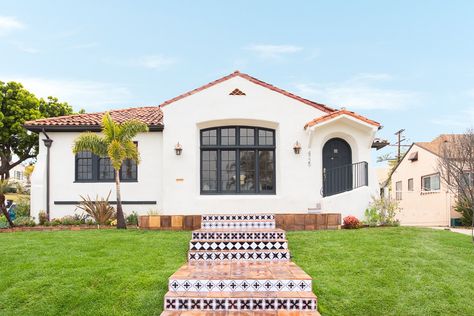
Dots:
(256, 147)
(96, 174)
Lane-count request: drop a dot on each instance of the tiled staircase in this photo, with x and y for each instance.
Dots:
(239, 263)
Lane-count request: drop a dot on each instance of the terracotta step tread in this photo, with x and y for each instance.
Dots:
(258, 270)
(305, 295)
(241, 313)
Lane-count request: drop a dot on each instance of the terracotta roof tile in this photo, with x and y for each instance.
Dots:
(435, 145)
(237, 73)
(150, 115)
(339, 113)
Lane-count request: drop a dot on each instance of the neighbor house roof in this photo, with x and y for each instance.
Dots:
(435, 145)
(338, 113)
(237, 73)
(150, 115)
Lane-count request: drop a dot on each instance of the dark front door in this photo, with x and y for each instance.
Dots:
(337, 167)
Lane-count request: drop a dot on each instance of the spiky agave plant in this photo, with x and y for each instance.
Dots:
(116, 143)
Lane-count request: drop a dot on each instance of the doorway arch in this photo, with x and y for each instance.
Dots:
(337, 166)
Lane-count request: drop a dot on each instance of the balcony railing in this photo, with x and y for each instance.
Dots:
(345, 178)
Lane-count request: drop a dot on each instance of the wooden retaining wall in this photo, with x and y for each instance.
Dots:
(283, 221)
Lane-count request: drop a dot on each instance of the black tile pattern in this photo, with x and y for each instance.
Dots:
(236, 235)
(239, 225)
(243, 255)
(243, 217)
(238, 245)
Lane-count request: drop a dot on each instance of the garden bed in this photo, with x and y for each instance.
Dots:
(58, 228)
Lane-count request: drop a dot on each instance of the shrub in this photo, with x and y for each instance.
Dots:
(3, 222)
(68, 220)
(465, 207)
(351, 222)
(23, 207)
(90, 221)
(24, 221)
(387, 209)
(132, 219)
(372, 216)
(42, 217)
(99, 209)
(80, 218)
(55, 222)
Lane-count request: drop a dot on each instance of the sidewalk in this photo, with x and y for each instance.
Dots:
(464, 231)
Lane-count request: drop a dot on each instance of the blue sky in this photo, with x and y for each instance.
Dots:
(407, 64)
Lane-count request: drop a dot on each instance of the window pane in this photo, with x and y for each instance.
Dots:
(247, 171)
(398, 190)
(209, 170)
(128, 170)
(228, 171)
(247, 136)
(410, 184)
(435, 182)
(84, 166)
(209, 138)
(106, 171)
(265, 137)
(228, 136)
(426, 184)
(265, 164)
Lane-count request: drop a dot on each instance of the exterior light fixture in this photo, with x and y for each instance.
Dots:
(178, 149)
(297, 148)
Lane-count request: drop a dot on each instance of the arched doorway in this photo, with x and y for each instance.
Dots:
(337, 167)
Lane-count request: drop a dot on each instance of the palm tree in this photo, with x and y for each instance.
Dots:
(4, 186)
(116, 144)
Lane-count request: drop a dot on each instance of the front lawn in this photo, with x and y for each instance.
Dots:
(398, 271)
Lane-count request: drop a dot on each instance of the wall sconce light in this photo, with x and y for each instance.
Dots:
(297, 148)
(178, 149)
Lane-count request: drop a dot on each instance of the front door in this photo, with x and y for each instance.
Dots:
(337, 167)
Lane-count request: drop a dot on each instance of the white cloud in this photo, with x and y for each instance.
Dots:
(90, 95)
(273, 51)
(26, 49)
(360, 92)
(154, 61)
(9, 23)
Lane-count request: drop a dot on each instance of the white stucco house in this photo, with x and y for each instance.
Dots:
(246, 146)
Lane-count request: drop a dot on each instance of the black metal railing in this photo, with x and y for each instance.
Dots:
(345, 178)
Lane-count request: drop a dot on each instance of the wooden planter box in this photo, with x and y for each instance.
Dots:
(170, 222)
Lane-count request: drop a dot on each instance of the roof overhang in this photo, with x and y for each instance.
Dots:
(78, 128)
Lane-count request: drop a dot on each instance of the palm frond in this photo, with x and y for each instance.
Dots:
(90, 142)
(109, 127)
(129, 129)
(117, 154)
(131, 151)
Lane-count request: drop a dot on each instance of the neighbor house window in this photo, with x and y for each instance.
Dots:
(410, 184)
(430, 182)
(398, 190)
(237, 160)
(92, 168)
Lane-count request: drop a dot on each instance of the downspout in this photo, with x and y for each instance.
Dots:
(47, 142)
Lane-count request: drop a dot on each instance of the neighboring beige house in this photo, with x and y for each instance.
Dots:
(415, 182)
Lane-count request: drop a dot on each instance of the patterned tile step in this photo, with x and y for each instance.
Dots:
(237, 285)
(223, 255)
(236, 301)
(238, 217)
(239, 234)
(258, 270)
(238, 245)
(280, 312)
(239, 225)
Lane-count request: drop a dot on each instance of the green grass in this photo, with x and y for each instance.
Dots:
(386, 271)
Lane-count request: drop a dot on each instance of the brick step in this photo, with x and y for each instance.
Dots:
(280, 312)
(239, 234)
(223, 255)
(211, 245)
(238, 217)
(241, 301)
(237, 224)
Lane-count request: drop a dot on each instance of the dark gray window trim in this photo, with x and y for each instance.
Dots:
(237, 147)
(95, 172)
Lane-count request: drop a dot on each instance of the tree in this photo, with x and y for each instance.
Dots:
(4, 187)
(116, 143)
(18, 105)
(456, 166)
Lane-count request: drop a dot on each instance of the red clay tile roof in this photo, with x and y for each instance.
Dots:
(435, 146)
(150, 115)
(339, 113)
(237, 73)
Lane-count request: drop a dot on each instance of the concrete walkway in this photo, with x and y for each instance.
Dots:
(464, 231)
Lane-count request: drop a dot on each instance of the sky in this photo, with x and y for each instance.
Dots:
(406, 64)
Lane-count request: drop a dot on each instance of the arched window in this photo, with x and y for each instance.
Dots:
(237, 160)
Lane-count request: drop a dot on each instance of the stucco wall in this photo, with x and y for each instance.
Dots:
(417, 207)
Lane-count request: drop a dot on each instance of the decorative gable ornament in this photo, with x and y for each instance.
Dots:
(237, 92)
